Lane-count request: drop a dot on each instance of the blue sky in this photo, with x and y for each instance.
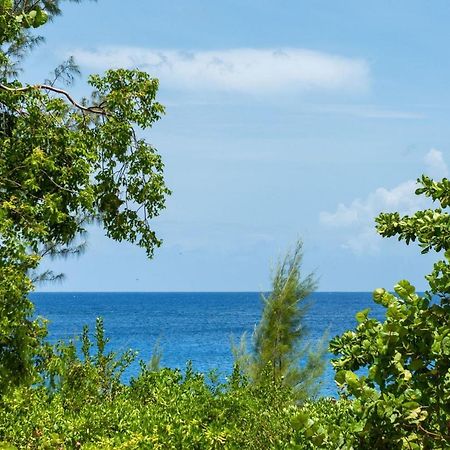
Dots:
(285, 120)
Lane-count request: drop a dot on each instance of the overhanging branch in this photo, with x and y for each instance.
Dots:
(89, 109)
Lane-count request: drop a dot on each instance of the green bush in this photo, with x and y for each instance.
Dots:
(404, 400)
(80, 402)
(168, 410)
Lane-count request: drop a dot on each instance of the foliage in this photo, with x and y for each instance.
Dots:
(91, 376)
(64, 164)
(279, 338)
(430, 228)
(81, 403)
(403, 400)
(20, 337)
(60, 167)
(17, 18)
(326, 424)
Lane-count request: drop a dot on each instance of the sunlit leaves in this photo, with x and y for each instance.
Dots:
(62, 166)
(403, 400)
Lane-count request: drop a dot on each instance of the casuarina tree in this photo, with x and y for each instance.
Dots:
(281, 353)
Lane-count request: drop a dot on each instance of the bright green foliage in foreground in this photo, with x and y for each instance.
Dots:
(404, 401)
(80, 403)
(165, 410)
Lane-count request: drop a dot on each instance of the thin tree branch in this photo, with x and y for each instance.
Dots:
(442, 437)
(90, 109)
(58, 185)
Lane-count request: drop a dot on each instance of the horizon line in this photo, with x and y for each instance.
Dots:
(188, 292)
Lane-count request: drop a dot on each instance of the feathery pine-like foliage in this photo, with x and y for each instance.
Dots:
(281, 353)
(17, 37)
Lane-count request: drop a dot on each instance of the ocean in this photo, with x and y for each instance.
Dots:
(195, 326)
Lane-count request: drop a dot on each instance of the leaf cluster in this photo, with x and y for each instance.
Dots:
(402, 399)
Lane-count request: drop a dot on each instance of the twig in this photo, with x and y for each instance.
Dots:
(90, 109)
(58, 185)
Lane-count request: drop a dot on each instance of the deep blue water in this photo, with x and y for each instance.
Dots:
(189, 326)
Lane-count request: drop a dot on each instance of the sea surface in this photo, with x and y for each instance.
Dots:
(194, 326)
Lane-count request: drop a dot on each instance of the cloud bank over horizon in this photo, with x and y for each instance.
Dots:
(357, 219)
(242, 70)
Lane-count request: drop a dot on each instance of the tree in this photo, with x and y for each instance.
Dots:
(403, 401)
(65, 163)
(279, 338)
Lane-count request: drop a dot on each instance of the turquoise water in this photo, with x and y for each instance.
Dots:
(189, 326)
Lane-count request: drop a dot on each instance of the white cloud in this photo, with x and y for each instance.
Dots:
(357, 218)
(400, 198)
(437, 167)
(241, 70)
(366, 241)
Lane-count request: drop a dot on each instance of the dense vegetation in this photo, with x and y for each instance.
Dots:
(64, 164)
(81, 403)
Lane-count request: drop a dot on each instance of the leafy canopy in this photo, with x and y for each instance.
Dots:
(63, 164)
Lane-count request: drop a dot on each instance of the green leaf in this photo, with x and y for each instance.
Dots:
(351, 378)
(6, 446)
(404, 289)
(361, 316)
(40, 18)
(340, 376)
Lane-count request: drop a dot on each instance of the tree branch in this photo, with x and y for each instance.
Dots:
(89, 109)
(58, 185)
